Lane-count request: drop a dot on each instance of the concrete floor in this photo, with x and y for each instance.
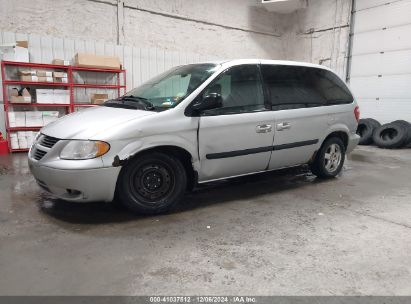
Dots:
(272, 234)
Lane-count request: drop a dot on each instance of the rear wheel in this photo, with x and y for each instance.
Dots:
(329, 159)
(152, 183)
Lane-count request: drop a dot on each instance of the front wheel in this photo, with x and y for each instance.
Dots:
(329, 159)
(152, 183)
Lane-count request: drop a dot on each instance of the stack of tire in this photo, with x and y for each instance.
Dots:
(394, 135)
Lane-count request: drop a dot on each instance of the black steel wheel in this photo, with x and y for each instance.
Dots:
(152, 183)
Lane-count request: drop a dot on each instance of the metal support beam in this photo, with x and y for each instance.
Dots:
(120, 22)
(350, 42)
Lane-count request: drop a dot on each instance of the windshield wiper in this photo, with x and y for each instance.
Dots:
(148, 105)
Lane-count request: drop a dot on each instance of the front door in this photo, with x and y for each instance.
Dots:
(237, 138)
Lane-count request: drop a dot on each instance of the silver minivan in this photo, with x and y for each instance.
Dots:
(195, 124)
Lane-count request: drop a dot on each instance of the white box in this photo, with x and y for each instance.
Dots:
(62, 80)
(12, 119)
(11, 52)
(23, 143)
(20, 119)
(30, 135)
(44, 96)
(44, 73)
(62, 96)
(34, 118)
(50, 116)
(14, 143)
(21, 134)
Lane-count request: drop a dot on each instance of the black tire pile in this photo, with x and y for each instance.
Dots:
(394, 135)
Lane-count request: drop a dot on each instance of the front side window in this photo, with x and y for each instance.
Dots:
(166, 90)
(241, 91)
(291, 87)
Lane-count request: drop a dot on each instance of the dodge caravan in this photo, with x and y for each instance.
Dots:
(194, 124)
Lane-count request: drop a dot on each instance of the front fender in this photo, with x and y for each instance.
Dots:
(187, 143)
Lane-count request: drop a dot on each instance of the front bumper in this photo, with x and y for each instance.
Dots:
(353, 141)
(77, 185)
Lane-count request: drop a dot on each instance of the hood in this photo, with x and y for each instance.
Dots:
(87, 123)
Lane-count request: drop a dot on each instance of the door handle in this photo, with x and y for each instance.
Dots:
(283, 126)
(263, 128)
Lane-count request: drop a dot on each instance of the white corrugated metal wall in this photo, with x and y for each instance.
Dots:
(141, 63)
(381, 59)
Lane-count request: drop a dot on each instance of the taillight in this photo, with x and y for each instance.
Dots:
(357, 113)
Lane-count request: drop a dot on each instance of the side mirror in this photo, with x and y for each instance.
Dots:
(211, 101)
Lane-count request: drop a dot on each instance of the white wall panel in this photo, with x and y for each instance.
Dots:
(392, 39)
(364, 4)
(386, 110)
(392, 86)
(381, 63)
(387, 63)
(395, 14)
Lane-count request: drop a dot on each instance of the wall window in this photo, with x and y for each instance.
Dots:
(291, 87)
(241, 90)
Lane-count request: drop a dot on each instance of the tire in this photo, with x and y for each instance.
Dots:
(402, 122)
(365, 129)
(152, 183)
(391, 136)
(323, 166)
(376, 123)
(407, 126)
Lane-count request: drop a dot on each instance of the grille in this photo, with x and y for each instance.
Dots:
(38, 154)
(48, 141)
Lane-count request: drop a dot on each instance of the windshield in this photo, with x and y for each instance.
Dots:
(168, 89)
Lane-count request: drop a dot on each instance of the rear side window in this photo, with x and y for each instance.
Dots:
(292, 87)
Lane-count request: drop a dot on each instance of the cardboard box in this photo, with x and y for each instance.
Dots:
(29, 78)
(22, 43)
(62, 80)
(45, 79)
(60, 62)
(25, 96)
(15, 51)
(44, 73)
(50, 116)
(34, 118)
(26, 73)
(98, 98)
(96, 61)
(59, 74)
(14, 92)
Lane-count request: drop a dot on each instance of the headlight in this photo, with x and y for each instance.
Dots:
(84, 149)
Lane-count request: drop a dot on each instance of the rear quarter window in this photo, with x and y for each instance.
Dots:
(291, 87)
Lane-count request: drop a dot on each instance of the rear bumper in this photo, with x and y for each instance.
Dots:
(353, 141)
(86, 185)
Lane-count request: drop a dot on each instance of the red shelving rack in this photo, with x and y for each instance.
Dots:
(70, 85)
